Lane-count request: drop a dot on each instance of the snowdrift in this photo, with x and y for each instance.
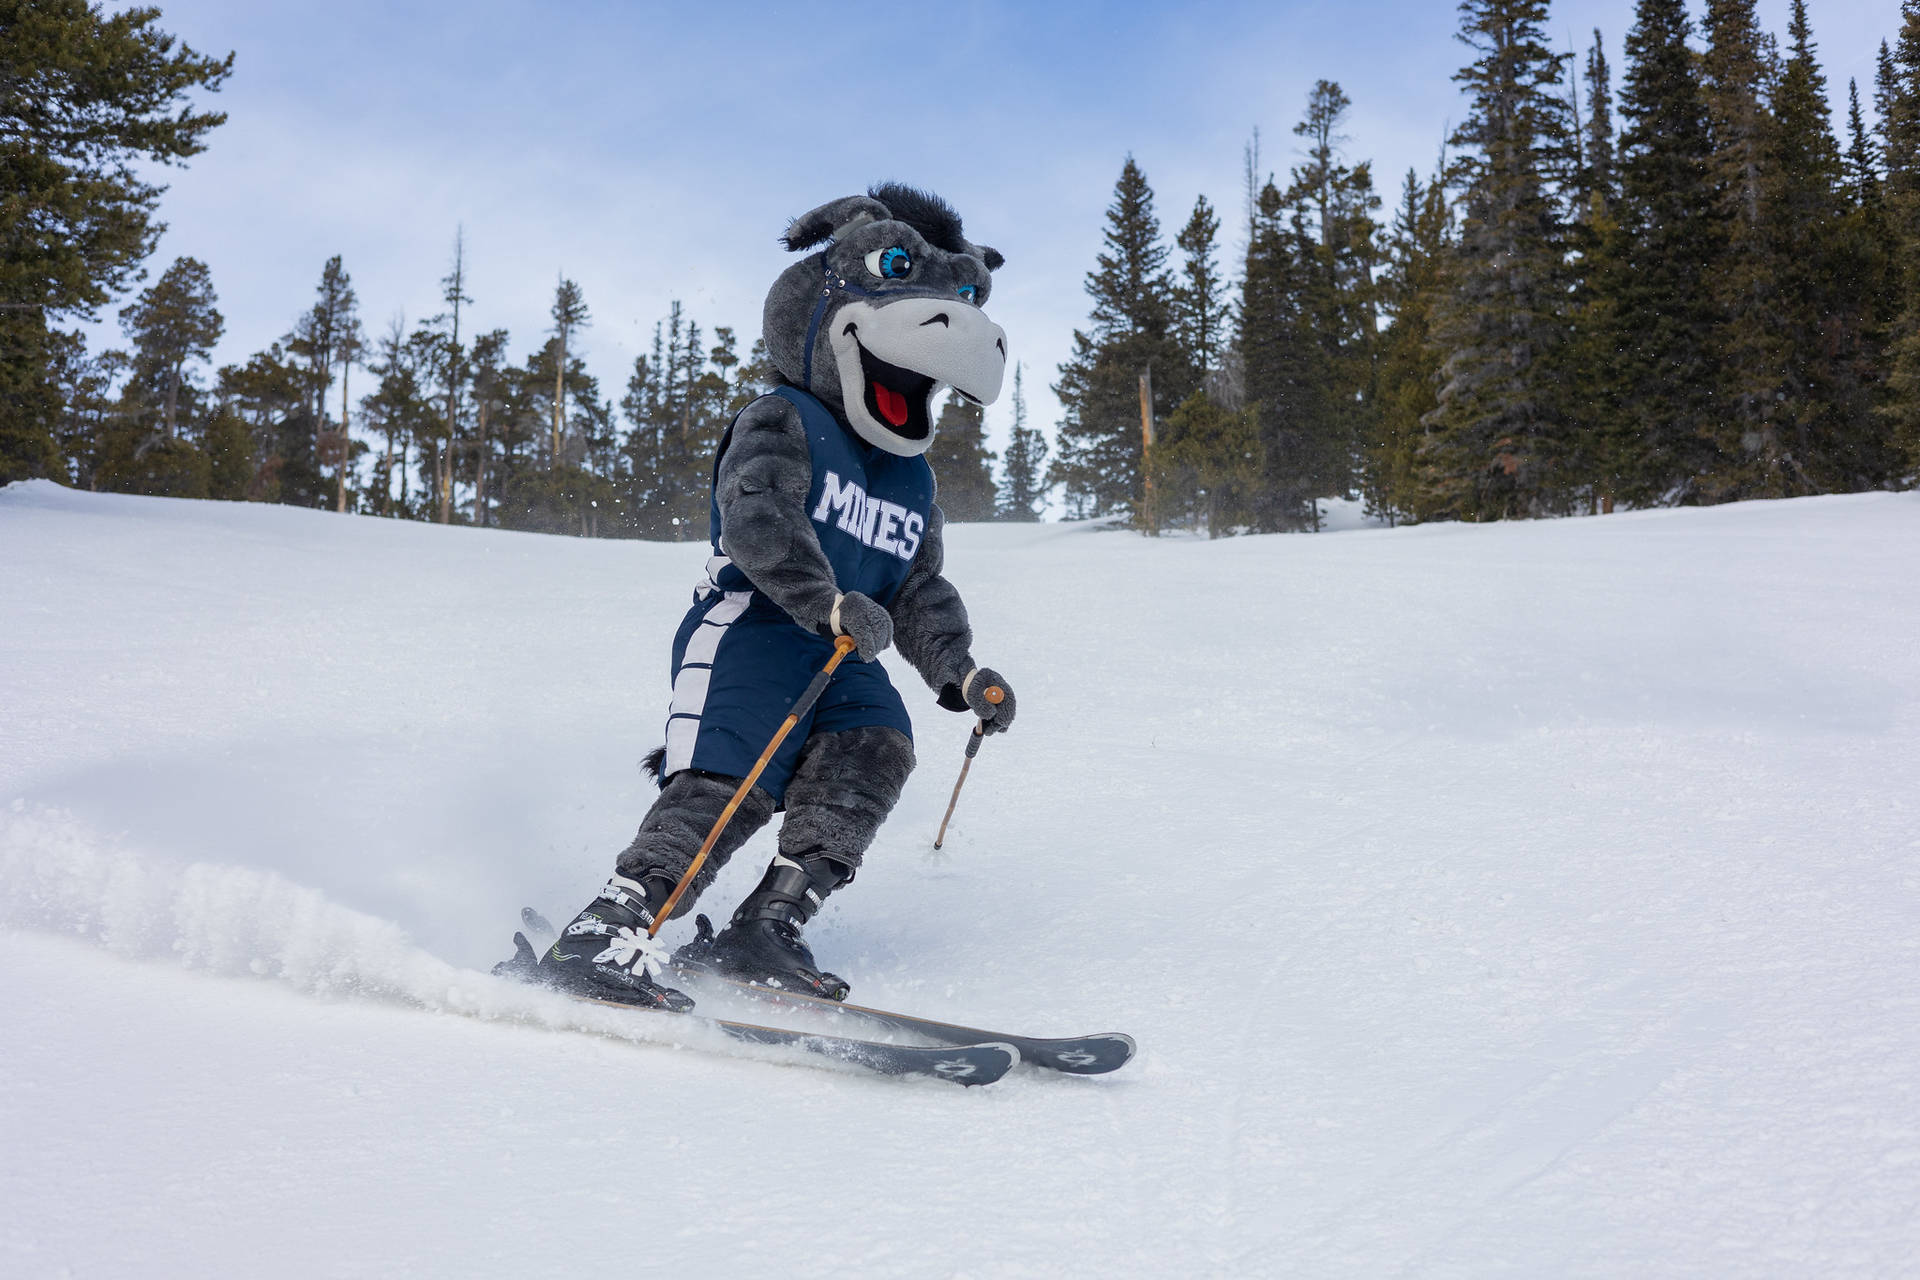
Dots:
(1535, 898)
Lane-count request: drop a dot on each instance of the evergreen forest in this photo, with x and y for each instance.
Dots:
(1675, 281)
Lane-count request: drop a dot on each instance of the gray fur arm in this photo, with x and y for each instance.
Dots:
(765, 477)
(930, 621)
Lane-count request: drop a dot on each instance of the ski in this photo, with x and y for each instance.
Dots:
(977, 1063)
(1090, 1055)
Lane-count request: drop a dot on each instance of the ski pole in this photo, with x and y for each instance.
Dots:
(841, 648)
(996, 695)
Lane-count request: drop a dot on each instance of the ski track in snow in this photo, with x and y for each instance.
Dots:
(1533, 899)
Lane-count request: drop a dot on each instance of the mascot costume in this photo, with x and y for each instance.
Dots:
(824, 526)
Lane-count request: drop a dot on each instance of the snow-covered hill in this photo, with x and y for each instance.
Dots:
(1534, 900)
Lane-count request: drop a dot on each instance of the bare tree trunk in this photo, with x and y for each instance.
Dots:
(1146, 450)
(457, 292)
(480, 470)
(346, 451)
(173, 396)
(559, 383)
(323, 378)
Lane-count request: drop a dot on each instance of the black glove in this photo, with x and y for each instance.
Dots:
(979, 689)
(866, 623)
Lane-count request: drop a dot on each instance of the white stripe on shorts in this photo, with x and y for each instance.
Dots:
(696, 673)
(715, 566)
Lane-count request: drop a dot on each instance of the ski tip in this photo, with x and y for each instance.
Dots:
(524, 964)
(976, 1064)
(534, 920)
(1093, 1055)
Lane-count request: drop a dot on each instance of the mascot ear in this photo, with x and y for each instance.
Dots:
(989, 255)
(835, 218)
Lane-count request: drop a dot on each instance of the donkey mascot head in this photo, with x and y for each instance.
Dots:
(887, 314)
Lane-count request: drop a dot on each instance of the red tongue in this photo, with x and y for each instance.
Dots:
(893, 405)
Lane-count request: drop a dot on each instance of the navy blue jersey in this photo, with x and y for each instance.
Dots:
(739, 661)
(869, 507)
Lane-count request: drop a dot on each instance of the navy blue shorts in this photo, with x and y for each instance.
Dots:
(739, 664)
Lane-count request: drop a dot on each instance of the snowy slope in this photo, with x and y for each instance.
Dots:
(1535, 900)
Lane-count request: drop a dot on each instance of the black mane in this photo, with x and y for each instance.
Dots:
(925, 212)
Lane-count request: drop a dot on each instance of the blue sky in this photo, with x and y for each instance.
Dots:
(655, 152)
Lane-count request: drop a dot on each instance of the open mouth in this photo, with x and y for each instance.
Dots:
(896, 396)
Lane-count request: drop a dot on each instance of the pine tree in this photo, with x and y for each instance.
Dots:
(640, 406)
(350, 349)
(1208, 466)
(962, 464)
(1130, 333)
(1863, 156)
(171, 325)
(86, 96)
(569, 313)
(489, 394)
(228, 446)
(1336, 202)
(1418, 247)
(400, 409)
(1600, 181)
(1284, 368)
(454, 372)
(742, 379)
(83, 386)
(1590, 354)
(1812, 432)
(1662, 379)
(270, 395)
(757, 374)
(677, 403)
(1867, 244)
(689, 436)
(713, 396)
(549, 491)
(1497, 439)
(1200, 309)
(1022, 492)
(328, 334)
(1737, 76)
(1886, 94)
(1899, 94)
(436, 362)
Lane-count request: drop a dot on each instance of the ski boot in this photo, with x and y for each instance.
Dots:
(605, 953)
(763, 944)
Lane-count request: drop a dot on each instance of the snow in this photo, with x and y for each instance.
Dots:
(1535, 899)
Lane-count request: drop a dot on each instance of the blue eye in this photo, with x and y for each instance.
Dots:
(890, 264)
(969, 292)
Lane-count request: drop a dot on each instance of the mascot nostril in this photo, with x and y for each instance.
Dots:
(824, 529)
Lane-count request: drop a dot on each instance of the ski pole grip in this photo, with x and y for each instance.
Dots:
(995, 694)
(978, 736)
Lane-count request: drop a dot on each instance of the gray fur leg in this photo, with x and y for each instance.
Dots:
(846, 785)
(673, 830)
